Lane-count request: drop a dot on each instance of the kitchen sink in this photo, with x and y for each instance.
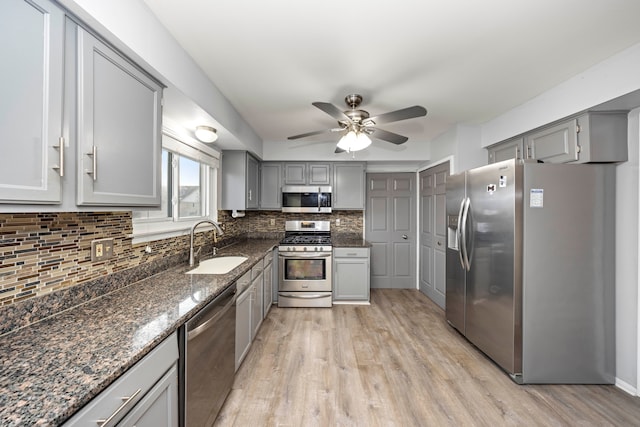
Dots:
(218, 265)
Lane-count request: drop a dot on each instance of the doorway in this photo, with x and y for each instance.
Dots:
(390, 227)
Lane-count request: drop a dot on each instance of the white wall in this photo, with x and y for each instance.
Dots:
(131, 27)
(627, 260)
(610, 79)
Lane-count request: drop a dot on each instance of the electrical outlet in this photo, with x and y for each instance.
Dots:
(337, 222)
(101, 249)
(272, 221)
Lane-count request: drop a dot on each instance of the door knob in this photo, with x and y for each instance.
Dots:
(404, 236)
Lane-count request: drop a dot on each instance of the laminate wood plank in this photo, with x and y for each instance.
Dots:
(396, 363)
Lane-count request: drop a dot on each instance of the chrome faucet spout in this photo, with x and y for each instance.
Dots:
(193, 229)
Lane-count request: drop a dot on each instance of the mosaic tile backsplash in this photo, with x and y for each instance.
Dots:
(45, 252)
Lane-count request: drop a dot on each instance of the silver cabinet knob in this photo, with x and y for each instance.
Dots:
(404, 236)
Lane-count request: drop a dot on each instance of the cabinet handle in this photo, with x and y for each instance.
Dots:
(60, 147)
(94, 167)
(126, 401)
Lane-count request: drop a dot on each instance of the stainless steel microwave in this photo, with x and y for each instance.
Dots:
(306, 199)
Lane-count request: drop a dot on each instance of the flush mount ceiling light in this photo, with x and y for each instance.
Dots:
(354, 141)
(206, 134)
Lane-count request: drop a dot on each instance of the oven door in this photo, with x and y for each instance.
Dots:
(302, 272)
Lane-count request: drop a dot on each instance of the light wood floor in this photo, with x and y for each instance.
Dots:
(396, 363)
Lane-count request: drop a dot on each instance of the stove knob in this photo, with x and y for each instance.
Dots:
(305, 248)
(290, 249)
(317, 249)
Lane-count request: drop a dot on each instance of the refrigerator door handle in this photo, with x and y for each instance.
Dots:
(458, 232)
(463, 226)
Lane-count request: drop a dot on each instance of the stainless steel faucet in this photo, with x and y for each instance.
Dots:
(193, 229)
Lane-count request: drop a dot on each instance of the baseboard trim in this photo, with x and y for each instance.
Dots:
(625, 386)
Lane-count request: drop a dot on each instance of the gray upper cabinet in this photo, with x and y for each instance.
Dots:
(307, 173)
(240, 181)
(555, 144)
(348, 186)
(32, 51)
(271, 185)
(510, 149)
(119, 128)
(590, 137)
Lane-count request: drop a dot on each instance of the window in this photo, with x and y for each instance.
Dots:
(189, 173)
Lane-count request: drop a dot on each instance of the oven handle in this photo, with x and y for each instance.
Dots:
(304, 255)
(312, 296)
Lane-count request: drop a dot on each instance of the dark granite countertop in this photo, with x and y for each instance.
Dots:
(349, 241)
(54, 367)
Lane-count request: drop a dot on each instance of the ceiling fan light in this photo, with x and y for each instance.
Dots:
(206, 134)
(362, 142)
(348, 141)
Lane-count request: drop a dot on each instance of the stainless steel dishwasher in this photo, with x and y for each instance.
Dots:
(207, 347)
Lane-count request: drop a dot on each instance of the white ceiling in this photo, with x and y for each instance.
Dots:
(466, 61)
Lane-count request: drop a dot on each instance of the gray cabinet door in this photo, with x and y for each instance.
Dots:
(257, 304)
(555, 144)
(351, 274)
(159, 407)
(295, 173)
(390, 220)
(433, 232)
(268, 288)
(510, 149)
(32, 51)
(307, 173)
(243, 325)
(319, 174)
(348, 186)
(253, 188)
(271, 186)
(119, 139)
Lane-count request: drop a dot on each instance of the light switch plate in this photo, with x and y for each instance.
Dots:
(101, 249)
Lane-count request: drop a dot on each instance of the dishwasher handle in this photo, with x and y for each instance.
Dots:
(215, 310)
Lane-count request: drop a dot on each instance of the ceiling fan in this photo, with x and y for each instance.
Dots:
(356, 125)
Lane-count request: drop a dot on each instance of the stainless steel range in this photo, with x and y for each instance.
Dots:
(305, 265)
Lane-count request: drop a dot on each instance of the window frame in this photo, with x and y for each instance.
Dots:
(150, 229)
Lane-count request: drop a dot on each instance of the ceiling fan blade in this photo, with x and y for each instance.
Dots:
(332, 110)
(339, 150)
(395, 116)
(317, 132)
(391, 137)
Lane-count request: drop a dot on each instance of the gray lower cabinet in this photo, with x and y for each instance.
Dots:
(243, 318)
(271, 185)
(351, 275)
(590, 137)
(119, 111)
(145, 395)
(348, 186)
(240, 181)
(158, 407)
(257, 303)
(268, 283)
(31, 102)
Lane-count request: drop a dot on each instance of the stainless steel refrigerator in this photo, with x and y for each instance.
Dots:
(530, 268)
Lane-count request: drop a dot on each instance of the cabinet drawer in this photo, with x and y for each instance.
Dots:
(243, 282)
(257, 269)
(268, 258)
(350, 252)
(135, 383)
